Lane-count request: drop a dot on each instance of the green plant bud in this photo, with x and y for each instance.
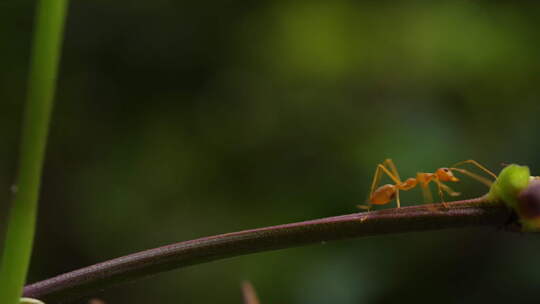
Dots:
(510, 182)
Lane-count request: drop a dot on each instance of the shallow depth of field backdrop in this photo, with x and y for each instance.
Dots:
(181, 119)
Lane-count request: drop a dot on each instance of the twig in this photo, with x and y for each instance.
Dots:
(249, 293)
(88, 280)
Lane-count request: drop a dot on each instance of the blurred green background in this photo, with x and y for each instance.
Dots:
(181, 119)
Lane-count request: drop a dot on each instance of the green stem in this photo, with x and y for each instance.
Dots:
(49, 24)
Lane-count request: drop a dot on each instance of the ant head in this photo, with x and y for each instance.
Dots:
(445, 175)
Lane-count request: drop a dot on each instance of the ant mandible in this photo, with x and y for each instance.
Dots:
(386, 193)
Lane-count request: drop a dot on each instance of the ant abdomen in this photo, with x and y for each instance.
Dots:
(383, 195)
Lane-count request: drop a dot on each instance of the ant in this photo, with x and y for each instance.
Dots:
(386, 193)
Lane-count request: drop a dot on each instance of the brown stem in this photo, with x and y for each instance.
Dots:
(88, 280)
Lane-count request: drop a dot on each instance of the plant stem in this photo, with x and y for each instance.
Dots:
(249, 293)
(49, 24)
(75, 284)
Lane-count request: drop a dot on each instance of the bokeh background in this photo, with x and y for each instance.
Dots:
(181, 119)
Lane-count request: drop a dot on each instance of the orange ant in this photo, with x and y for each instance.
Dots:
(386, 193)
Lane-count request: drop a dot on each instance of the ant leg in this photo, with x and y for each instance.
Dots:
(378, 174)
(376, 179)
(428, 197)
(364, 207)
(449, 190)
(374, 183)
(477, 177)
(426, 193)
(473, 162)
(394, 178)
(390, 163)
(441, 195)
